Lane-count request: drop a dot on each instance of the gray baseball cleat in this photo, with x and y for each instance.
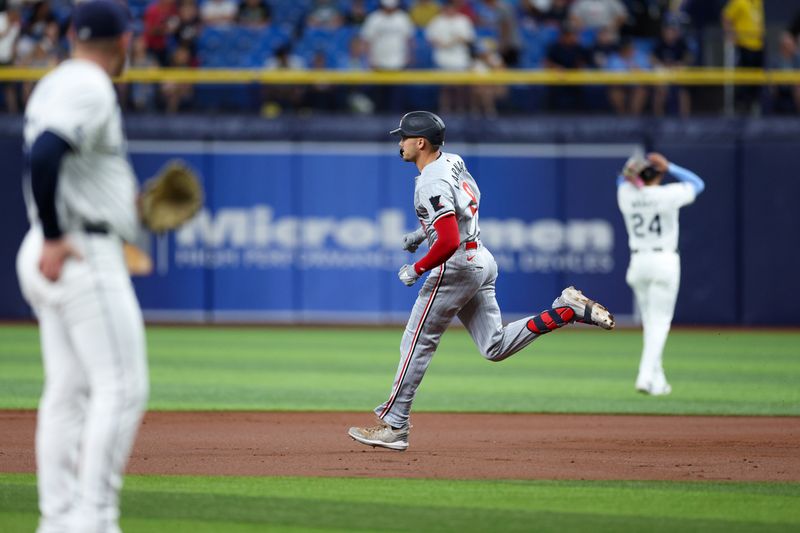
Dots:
(586, 310)
(382, 435)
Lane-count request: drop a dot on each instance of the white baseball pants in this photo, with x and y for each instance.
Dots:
(95, 381)
(655, 279)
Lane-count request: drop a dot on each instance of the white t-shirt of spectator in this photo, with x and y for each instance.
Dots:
(387, 35)
(218, 11)
(8, 36)
(449, 35)
(598, 13)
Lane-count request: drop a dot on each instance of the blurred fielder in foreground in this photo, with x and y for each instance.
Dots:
(81, 198)
(462, 280)
(650, 210)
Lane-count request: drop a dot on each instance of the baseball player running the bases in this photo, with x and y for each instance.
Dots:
(80, 193)
(461, 281)
(650, 211)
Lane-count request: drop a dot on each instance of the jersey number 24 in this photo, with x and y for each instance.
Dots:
(653, 227)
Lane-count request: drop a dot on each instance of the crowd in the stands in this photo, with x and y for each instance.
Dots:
(391, 35)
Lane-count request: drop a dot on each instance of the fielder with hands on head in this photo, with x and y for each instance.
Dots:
(650, 210)
(80, 193)
(462, 280)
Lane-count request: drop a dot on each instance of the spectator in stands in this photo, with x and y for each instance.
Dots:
(10, 28)
(160, 22)
(566, 53)
(484, 97)
(671, 52)
(140, 96)
(646, 17)
(465, 8)
(388, 33)
(325, 15)
(321, 96)
(793, 31)
(36, 24)
(285, 59)
(450, 34)
(356, 13)
(278, 98)
(743, 21)
(605, 45)
(423, 11)
(254, 14)
(189, 28)
(178, 96)
(628, 100)
(43, 52)
(500, 18)
(52, 48)
(219, 12)
(356, 55)
(702, 13)
(794, 27)
(546, 12)
(357, 99)
(46, 52)
(34, 46)
(786, 98)
(595, 14)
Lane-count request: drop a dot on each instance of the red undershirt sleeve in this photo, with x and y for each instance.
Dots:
(446, 244)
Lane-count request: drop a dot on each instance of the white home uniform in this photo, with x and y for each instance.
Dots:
(92, 333)
(464, 286)
(651, 218)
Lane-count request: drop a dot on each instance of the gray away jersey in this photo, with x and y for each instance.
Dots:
(651, 214)
(96, 182)
(446, 187)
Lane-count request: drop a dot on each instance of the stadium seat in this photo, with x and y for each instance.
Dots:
(334, 43)
(290, 13)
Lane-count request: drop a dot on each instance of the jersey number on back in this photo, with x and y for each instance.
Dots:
(473, 205)
(653, 227)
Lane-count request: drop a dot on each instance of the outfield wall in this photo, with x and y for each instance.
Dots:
(309, 231)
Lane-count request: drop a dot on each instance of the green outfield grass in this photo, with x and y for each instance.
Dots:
(577, 370)
(236, 504)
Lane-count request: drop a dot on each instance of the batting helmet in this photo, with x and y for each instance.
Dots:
(421, 124)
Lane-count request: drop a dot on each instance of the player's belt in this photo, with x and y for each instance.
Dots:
(471, 245)
(652, 250)
(97, 228)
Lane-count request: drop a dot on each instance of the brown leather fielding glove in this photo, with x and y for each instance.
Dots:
(170, 198)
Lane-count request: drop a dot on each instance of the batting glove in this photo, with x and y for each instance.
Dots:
(632, 168)
(411, 241)
(408, 275)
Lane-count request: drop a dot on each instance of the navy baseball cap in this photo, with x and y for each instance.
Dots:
(99, 19)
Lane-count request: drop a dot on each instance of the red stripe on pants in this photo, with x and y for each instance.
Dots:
(417, 331)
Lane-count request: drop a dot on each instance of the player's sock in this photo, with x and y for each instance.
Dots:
(551, 319)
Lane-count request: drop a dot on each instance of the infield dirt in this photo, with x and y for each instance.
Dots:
(452, 446)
